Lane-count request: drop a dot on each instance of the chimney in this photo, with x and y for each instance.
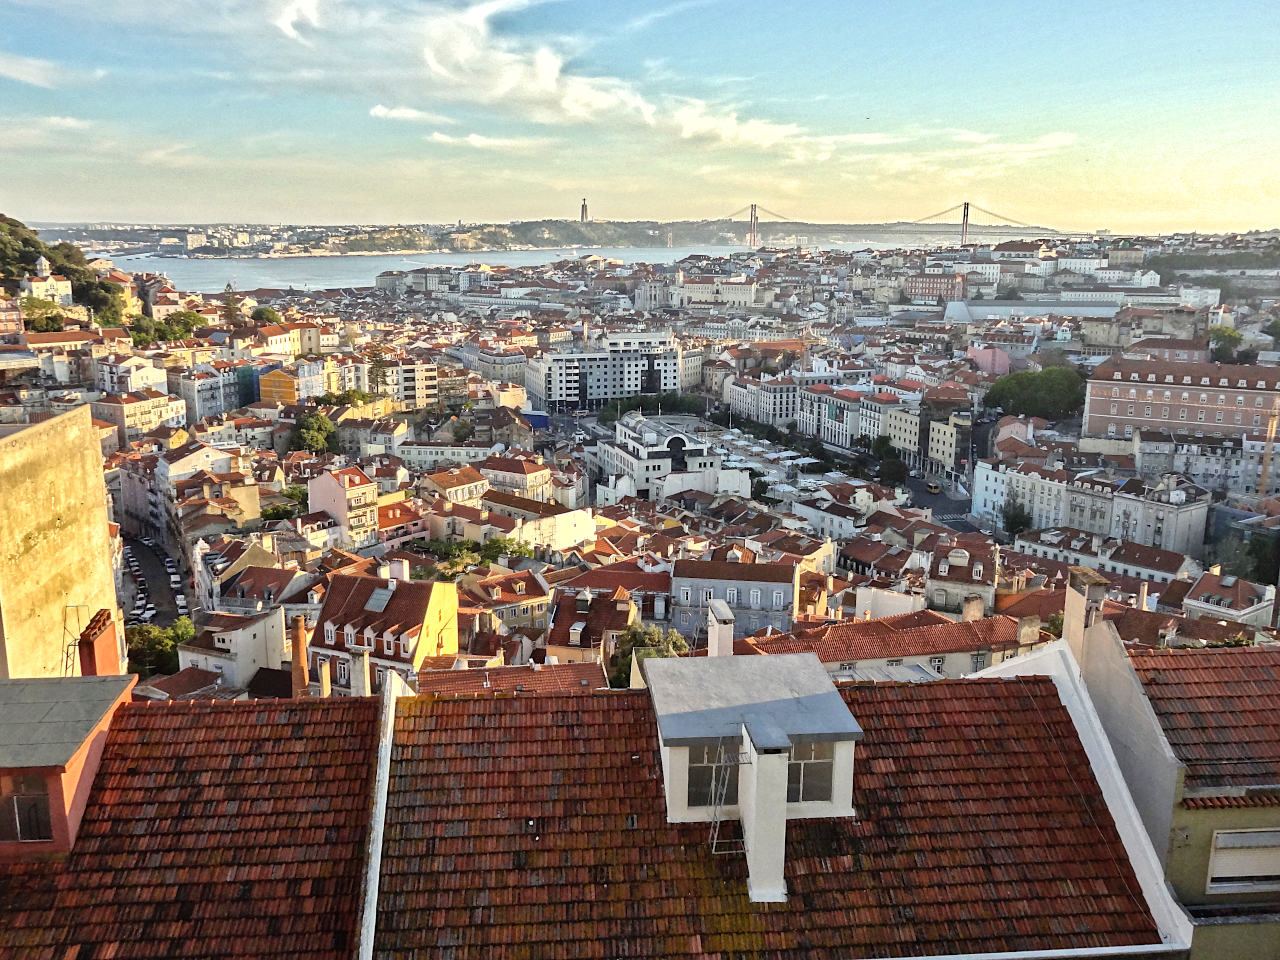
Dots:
(326, 688)
(1029, 630)
(972, 608)
(720, 623)
(762, 800)
(360, 686)
(99, 648)
(400, 569)
(1216, 570)
(1140, 601)
(384, 571)
(1086, 590)
(301, 674)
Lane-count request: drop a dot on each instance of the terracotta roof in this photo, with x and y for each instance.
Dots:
(1220, 711)
(580, 678)
(742, 572)
(555, 841)
(244, 823)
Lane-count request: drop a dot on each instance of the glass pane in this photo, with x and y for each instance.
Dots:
(8, 820)
(33, 818)
(793, 782)
(824, 751)
(730, 771)
(817, 780)
(699, 786)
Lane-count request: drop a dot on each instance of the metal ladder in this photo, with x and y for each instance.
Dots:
(726, 767)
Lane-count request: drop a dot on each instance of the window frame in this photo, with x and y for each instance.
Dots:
(811, 770)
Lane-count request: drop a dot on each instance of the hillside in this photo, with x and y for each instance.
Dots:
(20, 248)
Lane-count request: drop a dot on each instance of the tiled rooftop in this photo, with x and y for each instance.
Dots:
(536, 827)
(227, 829)
(1220, 710)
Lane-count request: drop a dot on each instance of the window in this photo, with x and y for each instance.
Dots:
(24, 808)
(1244, 860)
(330, 634)
(936, 663)
(897, 662)
(979, 661)
(731, 596)
(707, 778)
(777, 599)
(684, 594)
(809, 772)
(755, 598)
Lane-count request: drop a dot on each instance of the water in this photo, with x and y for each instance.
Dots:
(319, 273)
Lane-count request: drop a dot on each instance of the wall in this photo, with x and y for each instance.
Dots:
(55, 547)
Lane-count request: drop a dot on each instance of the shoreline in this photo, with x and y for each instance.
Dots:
(398, 253)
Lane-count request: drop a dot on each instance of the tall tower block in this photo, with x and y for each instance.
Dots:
(582, 217)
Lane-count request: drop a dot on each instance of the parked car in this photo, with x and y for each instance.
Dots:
(181, 603)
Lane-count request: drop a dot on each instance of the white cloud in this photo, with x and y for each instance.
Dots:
(408, 113)
(973, 136)
(693, 118)
(37, 73)
(294, 12)
(653, 16)
(172, 155)
(481, 142)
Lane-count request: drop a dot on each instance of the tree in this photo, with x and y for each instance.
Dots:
(1272, 329)
(1016, 517)
(643, 640)
(40, 316)
(314, 432)
(463, 432)
(264, 315)
(496, 547)
(882, 447)
(1224, 340)
(104, 298)
(893, 472)
(297, 493)
(230, 310)
(1051, 393)
(759, 489)
(154, 649)
(1054, 625)
(279, 512)
(378, 369)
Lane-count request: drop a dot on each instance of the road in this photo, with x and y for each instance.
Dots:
(156, 578)
(946, 511)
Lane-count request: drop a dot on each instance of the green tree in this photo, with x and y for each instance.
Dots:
(1054, 625)
(1224, 341)
(643, 640)
(40, 316)
(1016, 517)
(314, 432)
(264, 315)
(1051, 393)
(893, 472)
(759, 489)
(154, 649)
(104, 298)
(463, 432)
(378, 369)
(297, 493)
(496, 547)
(229, 313)
(1272, 329)
(882, 447)
(278, 512)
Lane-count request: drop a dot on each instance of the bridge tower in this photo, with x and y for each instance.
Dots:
(964, 225)
(753, 231)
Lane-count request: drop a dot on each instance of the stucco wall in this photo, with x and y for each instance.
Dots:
(54, 542)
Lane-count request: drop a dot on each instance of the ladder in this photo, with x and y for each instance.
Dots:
(725, 769)
(71, 639)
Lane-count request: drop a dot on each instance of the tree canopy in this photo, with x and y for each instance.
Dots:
(176, 326)
(645, 640)
(41, 316)
(264, 315)
(314, 432)
(1015, 516)
(1051, 393)
(154, 649)
(1225, 341)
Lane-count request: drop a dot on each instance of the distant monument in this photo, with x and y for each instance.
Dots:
(582, 217)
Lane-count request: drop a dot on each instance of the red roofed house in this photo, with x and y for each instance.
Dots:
(1196, 733)
(349, 497)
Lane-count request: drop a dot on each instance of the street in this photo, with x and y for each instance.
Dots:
(946, 511)
(156, 577)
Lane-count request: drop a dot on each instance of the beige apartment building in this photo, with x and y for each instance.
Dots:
(139, 412)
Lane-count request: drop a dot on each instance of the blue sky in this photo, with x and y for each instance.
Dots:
(1139, 116)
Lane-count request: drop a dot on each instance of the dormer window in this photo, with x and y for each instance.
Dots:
(713, 776)
(349, 634)
(330, 634)
(809, 772)
(24, 808)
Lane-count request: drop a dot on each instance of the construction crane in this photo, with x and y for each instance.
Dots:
(1268, 446)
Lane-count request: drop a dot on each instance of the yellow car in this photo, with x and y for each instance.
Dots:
(933, 486)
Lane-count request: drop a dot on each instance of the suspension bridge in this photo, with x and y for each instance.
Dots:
(752, 213)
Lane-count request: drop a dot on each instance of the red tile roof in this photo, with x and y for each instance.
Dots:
(536, 826)
(1220, 711)
(240, 824)
(580, 678)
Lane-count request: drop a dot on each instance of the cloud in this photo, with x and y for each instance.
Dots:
(972, 136)
(174, 155)
(294, 12)
(408, 113)
(480, 142)
(695, 119)
(29, 70)
(653, 16)
(24, 133)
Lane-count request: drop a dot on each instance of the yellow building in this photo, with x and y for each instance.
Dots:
(279, 386)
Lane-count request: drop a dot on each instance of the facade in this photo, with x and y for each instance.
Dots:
(760, 595)
(587, 380)
(650, 457)
(1126, 395)
(351, 498)
(56, 568)
(140, 412)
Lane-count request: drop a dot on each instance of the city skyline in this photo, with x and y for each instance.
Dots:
(325, 111)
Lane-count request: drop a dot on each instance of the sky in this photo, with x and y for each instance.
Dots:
(1145, 116)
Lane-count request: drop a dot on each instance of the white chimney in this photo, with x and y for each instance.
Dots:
(762, 805)
(384, 571)
(720, 622)
(360, 686)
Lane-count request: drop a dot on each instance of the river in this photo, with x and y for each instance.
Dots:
(356, 270)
